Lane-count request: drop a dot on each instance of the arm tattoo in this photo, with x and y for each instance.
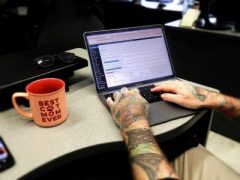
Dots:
(230, 106)
(145, 153)
(139, 136)
(129, 111)
(199, 93)
(148, 162)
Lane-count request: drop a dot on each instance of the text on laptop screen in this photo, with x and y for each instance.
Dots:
(129, 56)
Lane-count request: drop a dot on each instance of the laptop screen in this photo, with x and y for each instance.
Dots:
(128, 56)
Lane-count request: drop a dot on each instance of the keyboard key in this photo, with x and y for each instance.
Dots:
(108, 95)
(146, 93)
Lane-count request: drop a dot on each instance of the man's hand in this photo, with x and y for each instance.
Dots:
(127, 107)
(182, 94)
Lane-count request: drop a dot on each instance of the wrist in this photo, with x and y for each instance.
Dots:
(141, 124)
(135, 122)
(214, 100)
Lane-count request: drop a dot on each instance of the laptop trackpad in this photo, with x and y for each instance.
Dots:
(162, 111)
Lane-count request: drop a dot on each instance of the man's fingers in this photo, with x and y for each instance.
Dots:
(174, 98)
(110, 102)
(134, 91)
(168, 87)
(116, 96)
(124, 91)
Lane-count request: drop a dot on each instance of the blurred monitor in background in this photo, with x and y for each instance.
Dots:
(219, 15)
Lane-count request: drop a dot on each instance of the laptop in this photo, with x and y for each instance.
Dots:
(134, 57)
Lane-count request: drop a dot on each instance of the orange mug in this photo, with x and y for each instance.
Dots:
(47, 99)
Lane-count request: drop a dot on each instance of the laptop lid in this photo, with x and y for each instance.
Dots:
(128, 57)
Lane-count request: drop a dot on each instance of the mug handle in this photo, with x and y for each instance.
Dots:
(16, 106)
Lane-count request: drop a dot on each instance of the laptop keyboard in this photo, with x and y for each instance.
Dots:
(108, 95)
(148, 95)
(145, 93)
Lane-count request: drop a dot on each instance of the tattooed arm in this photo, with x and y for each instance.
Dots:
(129, 111)
(194, 97)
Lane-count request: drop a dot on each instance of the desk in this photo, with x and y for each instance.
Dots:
(20, 69)
(89, 124)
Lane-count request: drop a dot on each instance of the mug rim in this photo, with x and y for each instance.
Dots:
(60, 81)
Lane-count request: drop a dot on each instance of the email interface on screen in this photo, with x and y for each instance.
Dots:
(128, 57)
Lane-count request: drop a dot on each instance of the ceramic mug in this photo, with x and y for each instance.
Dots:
(47, 99)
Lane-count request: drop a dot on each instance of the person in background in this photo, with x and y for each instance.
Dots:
(129, 110)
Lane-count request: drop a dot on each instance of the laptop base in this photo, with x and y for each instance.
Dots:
(160, 112)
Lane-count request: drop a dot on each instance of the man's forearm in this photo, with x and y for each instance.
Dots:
(228, 105)
(148, 161)
(129, 111)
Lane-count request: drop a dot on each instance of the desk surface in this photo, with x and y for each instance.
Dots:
(89, 123)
